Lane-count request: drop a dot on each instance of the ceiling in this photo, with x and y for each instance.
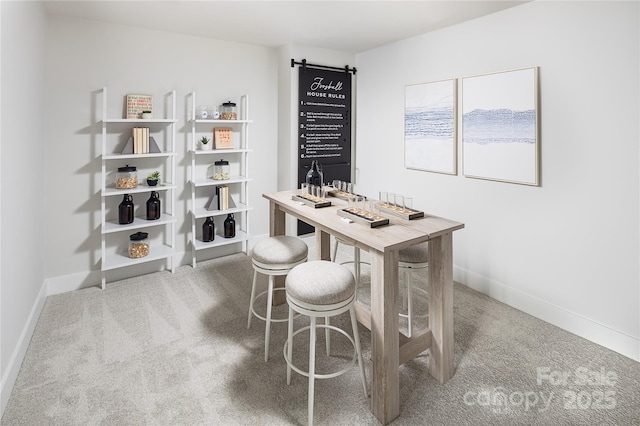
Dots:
(349, 26)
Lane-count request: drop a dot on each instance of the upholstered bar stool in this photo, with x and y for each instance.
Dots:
(411, 259)
(274, 256)
(321, 289)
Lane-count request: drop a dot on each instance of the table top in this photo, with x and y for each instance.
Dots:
(399, 234)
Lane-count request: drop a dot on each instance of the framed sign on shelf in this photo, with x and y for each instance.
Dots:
(223, 137)
(430, 126)
(137, 104)
(500, 137)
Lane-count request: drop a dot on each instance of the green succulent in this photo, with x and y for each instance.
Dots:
(204, 140)
(154, 176)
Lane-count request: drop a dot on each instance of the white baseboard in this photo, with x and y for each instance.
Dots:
(72, 282)
(82, 280)
(13, 368)
(577, 324)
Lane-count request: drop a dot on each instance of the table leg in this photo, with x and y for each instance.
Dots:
(323, 245)
(441, 307)
(277, 226)
(276, 220)
(385, 382)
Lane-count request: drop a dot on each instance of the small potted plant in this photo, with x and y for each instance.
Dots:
(153, 178)
(146, 115)
(204, 143)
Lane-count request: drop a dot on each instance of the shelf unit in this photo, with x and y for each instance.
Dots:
(162, 232)
(203, 186)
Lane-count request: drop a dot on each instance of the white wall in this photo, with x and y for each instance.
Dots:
(566, 251)
(23, 220)
(83, 56)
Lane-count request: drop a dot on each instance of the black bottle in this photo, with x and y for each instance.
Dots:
(153, 206)
(208, 230)
(229, 226)
(125, 210)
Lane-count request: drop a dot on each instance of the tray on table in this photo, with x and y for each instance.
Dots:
(407, 214)
(310, 200)
(343, 195)
(363, 217)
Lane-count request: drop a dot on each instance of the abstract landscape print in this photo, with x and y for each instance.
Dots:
(430, 126)
(500, 126)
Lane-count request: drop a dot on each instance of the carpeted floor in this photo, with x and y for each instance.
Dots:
(173, 349)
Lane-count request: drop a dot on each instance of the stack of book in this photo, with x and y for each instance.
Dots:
(223, 197)
(221, 200)
(140, 140)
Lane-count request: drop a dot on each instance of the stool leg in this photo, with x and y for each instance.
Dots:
(356, 258)
(335, 250)
(356, 339)
(253, 293)
(267, 331)
(409, 303)
(289, 346)
(326, 335)
(403, 288)
(312, 366)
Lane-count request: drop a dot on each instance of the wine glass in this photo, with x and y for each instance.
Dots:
(383, 197)
(408, 204)
(391, 199)
(368, 209)
(398, 201)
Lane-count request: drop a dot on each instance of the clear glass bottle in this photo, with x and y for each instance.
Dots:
(314, 175)
(127, 177)
(138, 245)
(229, 226)
(208, 230)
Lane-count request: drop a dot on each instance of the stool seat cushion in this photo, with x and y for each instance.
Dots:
(280, 249)
(418, 253)
(320, 282)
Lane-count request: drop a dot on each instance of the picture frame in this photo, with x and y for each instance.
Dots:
(137, 104)
(500, 126)
(223, 137)
(430, 126)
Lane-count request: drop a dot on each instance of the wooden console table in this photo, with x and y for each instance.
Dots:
(389, 347)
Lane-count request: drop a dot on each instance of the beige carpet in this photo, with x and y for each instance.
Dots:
(173, 349)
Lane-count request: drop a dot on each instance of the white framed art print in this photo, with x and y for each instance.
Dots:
(430, 127)
(500, 136)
